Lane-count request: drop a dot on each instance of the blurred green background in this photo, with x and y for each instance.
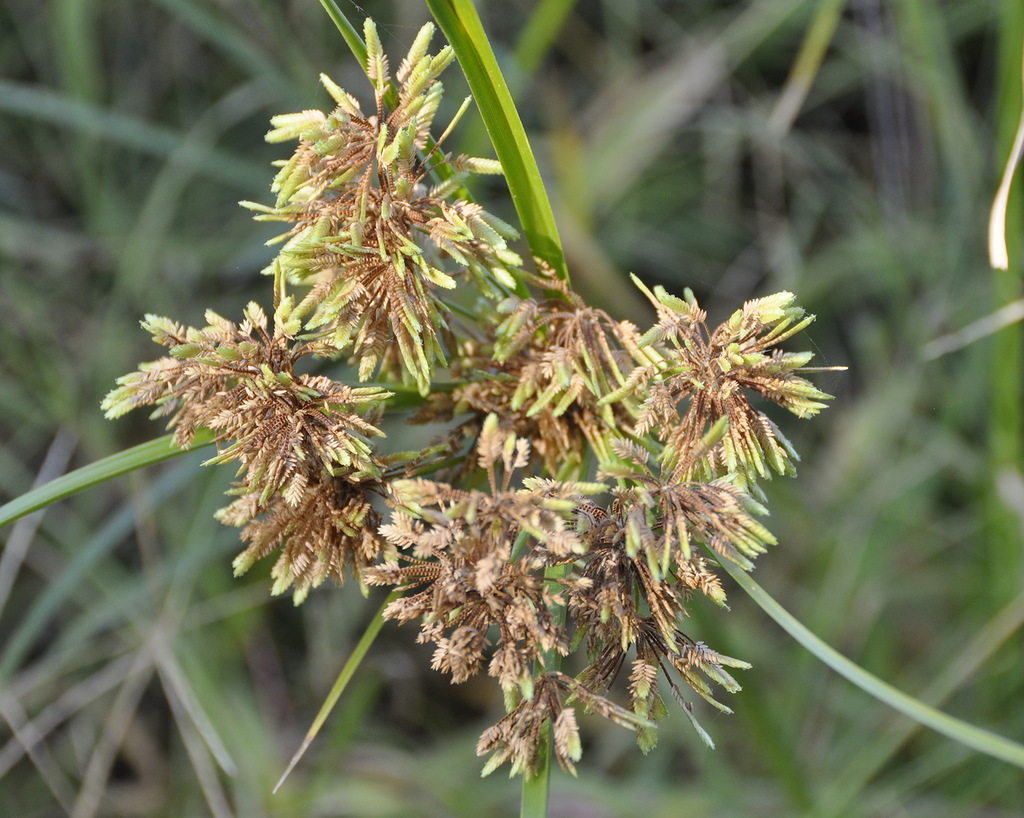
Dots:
(138, 678)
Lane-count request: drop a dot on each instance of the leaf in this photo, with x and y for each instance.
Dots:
(344, 677)
(145, 454)
(461, 25)
(968, 734)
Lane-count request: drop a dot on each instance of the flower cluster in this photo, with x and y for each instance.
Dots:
(544, 369)
(370, 230)
(713, 374)
(487, 573)
(504, 550)
(302, 441)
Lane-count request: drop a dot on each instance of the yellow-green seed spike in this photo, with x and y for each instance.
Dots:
(376, 62)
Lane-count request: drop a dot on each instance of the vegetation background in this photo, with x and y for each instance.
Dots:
(138, 678)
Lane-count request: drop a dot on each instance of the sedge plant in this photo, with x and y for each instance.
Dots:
(595, 477)
(594, 473)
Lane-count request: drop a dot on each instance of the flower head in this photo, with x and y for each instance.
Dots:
(324, 531)
(475, 560)
(544, 370)
(507, 559)
(711, 375)
(301, 441)
(370, 229)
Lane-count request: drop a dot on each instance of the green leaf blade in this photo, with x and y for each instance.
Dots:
(145, 454)
(461, 25)
(970, 735)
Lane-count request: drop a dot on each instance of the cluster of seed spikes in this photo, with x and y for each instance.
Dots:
(507, 556)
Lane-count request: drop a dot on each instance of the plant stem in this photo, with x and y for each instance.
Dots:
(348, 32)
(535, 787)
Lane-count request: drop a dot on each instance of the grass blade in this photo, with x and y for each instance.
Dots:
(344, 677)
(461, 25)
(145, 454)
(981, 740)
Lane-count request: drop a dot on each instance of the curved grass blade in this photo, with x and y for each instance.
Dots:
(145, 454)
(968, 734)
(461, 25)
(998, 255)
(878, 754)
(344, 677)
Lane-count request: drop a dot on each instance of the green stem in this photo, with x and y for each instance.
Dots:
(536, 787)
(348, 32)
